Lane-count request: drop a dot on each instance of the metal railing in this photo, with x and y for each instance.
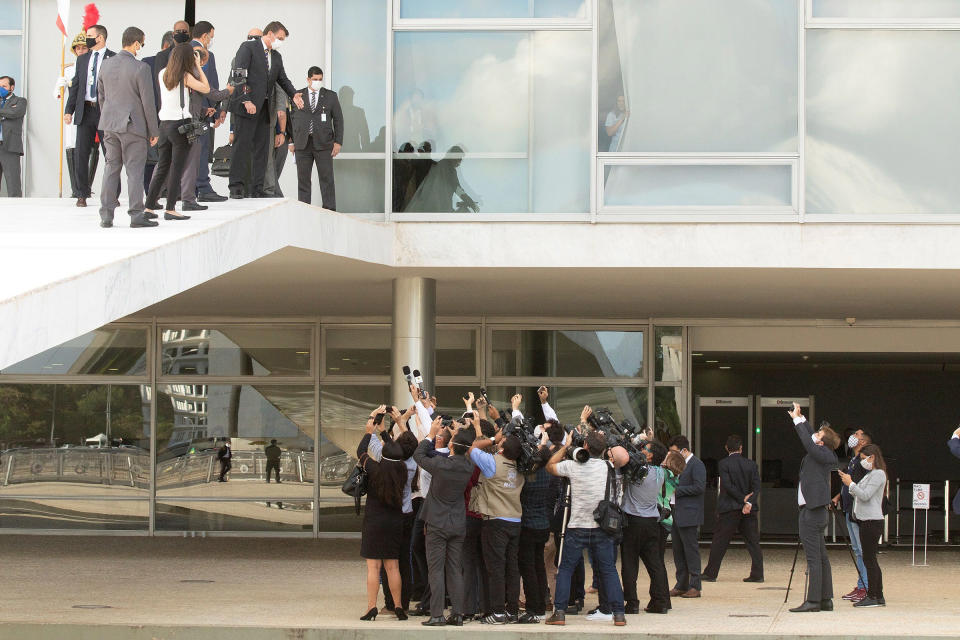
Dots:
(115, 466)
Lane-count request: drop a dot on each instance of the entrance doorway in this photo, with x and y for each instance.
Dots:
(715, 419)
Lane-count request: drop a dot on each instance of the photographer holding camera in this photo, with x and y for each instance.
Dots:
(181, 74)
(588, 488)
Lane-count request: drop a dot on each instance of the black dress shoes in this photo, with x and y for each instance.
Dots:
(419, 611)
(752, 579)
(211, 197)
(438, 621)
(656, 609)
(105, 223)
(706, 578)
(806, 607)
(193, 206)
(149, 215)
(631, 608)
(826, 605)
(141, 221)
(455, 620)
(236, 195)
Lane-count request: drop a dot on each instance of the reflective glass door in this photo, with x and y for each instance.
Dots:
(778, 454)
(716, 419)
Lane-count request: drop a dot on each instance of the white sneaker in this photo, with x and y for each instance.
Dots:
(599, 616)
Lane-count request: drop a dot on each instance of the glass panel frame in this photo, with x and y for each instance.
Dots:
(195, 350)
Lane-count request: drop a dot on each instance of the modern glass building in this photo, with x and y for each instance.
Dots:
(688, 211)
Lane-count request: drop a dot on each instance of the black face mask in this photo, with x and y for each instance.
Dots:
(180, 37)
(91, 43)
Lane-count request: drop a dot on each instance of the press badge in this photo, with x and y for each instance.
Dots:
(323, 117)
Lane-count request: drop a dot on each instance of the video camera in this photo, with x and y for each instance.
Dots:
(237, 77)
(626, 435)
(194, 129)
(530, 459)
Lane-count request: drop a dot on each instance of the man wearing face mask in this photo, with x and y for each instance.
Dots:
(181, 34)
(813, 495)
(82, 107)
(12, 110)
(203, 34)
(843, 500)
(251, 118)
(129, 123)
(317, 137)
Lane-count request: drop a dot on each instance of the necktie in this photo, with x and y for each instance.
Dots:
(313, 106)
(93, 75)
(266, 52)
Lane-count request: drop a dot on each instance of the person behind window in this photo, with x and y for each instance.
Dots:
(868, 511)
(616, 122)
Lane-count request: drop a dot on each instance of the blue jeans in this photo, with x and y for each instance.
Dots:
(601, 546)
(854, 529)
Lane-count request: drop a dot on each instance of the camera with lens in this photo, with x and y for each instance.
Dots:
(237, 77)
(530, 459)
(624, 434)
(194, 129)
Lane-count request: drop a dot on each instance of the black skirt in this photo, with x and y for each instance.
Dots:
(381, 537)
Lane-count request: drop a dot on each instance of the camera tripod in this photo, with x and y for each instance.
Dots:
(806, 575)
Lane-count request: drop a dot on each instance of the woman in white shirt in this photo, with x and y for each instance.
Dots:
(181, 75)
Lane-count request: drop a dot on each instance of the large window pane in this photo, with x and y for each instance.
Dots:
(343, 415)
(11, 14)
(359, 185)
(59, 515)
(237, 351)
(74, 440)
(476, 124)
(456, 352)
(108, 351)
(290, 516)
(869, 9)
(668, 346)
(358, 74)
(607, 354)
(862, 87)
(698, 185)
(195, 421)
(668, 420)
(357, 351)
(625, 403)
(698, 75)
(493, 8)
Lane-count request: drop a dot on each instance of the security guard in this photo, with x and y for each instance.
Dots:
(317, 137)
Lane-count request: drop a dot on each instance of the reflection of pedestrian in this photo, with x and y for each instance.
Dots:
(224, 455)
(273, 452)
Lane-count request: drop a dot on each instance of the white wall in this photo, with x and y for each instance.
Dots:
(304, 18)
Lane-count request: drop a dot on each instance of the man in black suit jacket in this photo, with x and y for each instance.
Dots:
(954, 444)
(82, 109)
(444, 513)
(687, 518)
(250, 110)
(317, 137)
(736, 511)
(813, 495)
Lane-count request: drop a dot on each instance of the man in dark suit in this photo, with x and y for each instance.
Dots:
(273, 453)
(224, 455)
(12, 110)
(250, 112)
(954, 444)
(82, 109)
(203, 33)
(813, 495)
(317, 137)
(736, 511)
(181, 34)
(687, 518)
(445, 515)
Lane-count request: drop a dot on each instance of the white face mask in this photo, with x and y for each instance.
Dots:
(278, 44)
(816, 438)
(852, 441)
(866, 464)
(316, 85)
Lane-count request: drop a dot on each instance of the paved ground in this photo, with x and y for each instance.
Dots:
(316, 588)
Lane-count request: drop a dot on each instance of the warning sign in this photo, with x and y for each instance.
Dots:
(921, 496)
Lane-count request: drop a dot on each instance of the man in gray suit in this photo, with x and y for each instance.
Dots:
(445, 515)
(128, 119)
(687, 518)
(12, 110)
(813, 496)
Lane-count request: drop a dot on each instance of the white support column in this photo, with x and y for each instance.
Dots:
(413, 334)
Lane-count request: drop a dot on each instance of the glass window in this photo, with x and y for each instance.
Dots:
(625, 403)
(869, 9)
(289, 516)
(668, 345)
(667, 412)
(343, 416)
(237, 351)
(358, 75)
(77, 515)
(456, 352)
(697, 75)
(573, 354)
(698, 185)
(357, 351)
(862, 86)
(107, 351)
(359, 185)
(74, 440)
(11, 15)
(196, 422)
(493, 8)
(476, 126)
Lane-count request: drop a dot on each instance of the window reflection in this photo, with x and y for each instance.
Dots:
(625, 403)
(359, 73)
(572, 353)
(97, 515)
(493, 8)
(236, 351)
(106, 351)
(261, 516)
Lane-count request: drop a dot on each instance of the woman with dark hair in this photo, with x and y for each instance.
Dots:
(181, 75)
(383, 515)
(868, 511)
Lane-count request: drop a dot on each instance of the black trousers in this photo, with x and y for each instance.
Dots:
(249, 162)
(641, 543)
(476, 594)
(273, 465)
(533, 571)
(305, 160)
(501, 547)
(870, 532)
(173, 161)
(87, 130)
(224, 467)
(405, 568)
(812, 523)
(686, 557)
(730, 523)
(418, 553)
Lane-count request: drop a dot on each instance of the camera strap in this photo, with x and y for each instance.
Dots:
(182, 101)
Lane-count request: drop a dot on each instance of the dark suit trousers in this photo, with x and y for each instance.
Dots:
(641, 542)
(728, 524)
(305, 160)
(10, 173)
(533, 571)
(812, 523)
(272, 465)
(501, 547)
(405, 568)
(87, 131)
(418, 554)
(686, 557)
(476, 595)
(444, 552)
(203, 169)
(249, 162)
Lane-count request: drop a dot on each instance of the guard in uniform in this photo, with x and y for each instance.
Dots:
(317, 137)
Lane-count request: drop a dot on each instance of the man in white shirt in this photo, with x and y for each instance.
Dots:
(615, 123)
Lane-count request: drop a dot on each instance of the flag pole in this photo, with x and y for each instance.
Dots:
(63, 61)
